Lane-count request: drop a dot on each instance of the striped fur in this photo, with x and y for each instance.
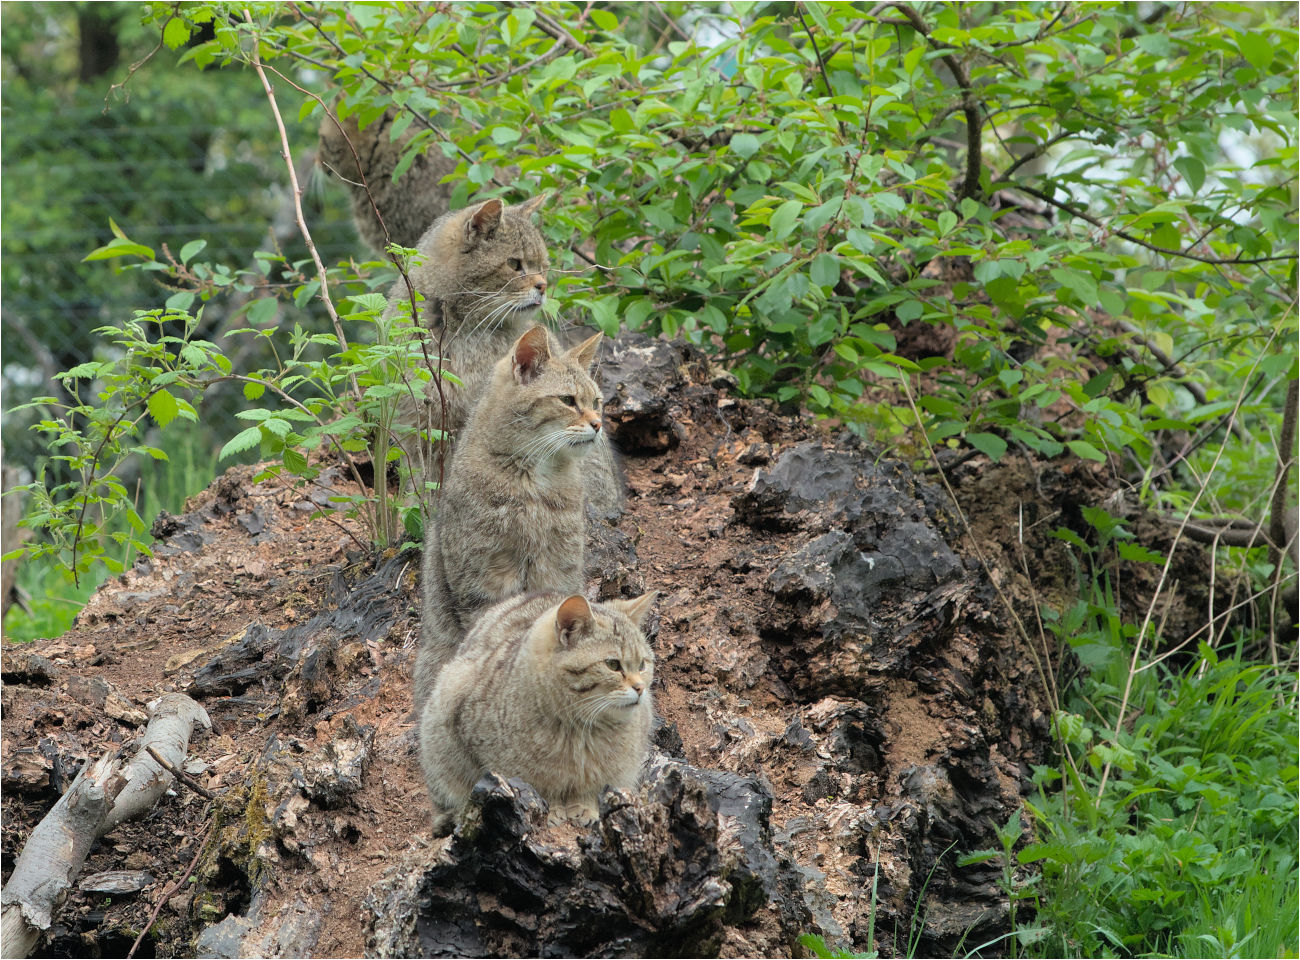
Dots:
(548, 688)
(510, 514)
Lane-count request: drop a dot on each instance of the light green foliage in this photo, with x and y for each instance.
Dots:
(154, 377)
(785, 183)
(1172, 833)
(321, 392)
(791, 188)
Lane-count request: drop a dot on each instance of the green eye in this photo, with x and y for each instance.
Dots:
(514, 264)
(644, 664)
(569, 400)
(614, 665)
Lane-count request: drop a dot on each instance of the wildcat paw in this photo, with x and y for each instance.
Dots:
(443, 822)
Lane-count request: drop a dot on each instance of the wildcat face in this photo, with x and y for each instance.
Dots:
(603, 662)
(500, 263)
(545, 403)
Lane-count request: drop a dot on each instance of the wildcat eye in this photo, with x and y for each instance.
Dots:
(568, 400)
(514, 264)
(614, 665)
(642, 667)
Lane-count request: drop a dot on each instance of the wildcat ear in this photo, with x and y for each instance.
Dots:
(483, 222)
(529, 207)
(585, 352)
(636, 609)
(572, 619)
(531, 354)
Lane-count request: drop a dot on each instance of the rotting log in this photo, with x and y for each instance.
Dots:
(103, 795)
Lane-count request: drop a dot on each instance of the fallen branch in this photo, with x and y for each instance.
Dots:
(103, 795)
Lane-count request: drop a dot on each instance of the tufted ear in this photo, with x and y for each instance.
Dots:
(529, 207)
(636, 609)
(483, 222)
(572, 620)
(585, 352)
(531, 354)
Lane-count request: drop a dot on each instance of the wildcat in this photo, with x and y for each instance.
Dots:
(510, 512)
(417, 199)
(548, 688)
(483, 280)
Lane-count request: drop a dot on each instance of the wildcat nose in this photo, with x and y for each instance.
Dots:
(540, 284)
(595, 425)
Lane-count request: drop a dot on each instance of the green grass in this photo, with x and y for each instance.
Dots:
(1190, 848)
(54, 599)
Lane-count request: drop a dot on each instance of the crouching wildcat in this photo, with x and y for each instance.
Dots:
(548, 688)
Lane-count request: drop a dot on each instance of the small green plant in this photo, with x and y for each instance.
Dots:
(1174, 833)
(1016, 885)
(323, 392)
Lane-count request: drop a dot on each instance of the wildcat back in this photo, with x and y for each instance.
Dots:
(409, 206)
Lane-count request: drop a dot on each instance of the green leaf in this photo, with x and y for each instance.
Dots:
(191, 249)
(162, 407)
(604, 19)
(294, 461)
(262, 311)
(181, 301)
(1084, 449)
(176, 33)
(1081, 284)
(783, 219)
(1193, 171)
(989, 444)
(744, 145)
(1138, 553)
(118, 247)
(244, 440)
(1256, 48)
(909, 310)
(825, 270)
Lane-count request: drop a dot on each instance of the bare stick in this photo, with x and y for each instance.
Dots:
(171, 892)
(181, 775)
(103, 795)
(297, 203)
(1077, 212)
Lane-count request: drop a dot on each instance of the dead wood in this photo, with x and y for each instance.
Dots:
(103, 795)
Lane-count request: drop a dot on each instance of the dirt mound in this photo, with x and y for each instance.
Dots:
(842, 703)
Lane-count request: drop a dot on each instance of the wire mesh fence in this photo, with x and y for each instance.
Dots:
(165, 176)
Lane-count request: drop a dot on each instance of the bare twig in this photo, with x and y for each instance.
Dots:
(821, 63)
(287, 154)
(181, 775)
(170, 892)
(1186, 254)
